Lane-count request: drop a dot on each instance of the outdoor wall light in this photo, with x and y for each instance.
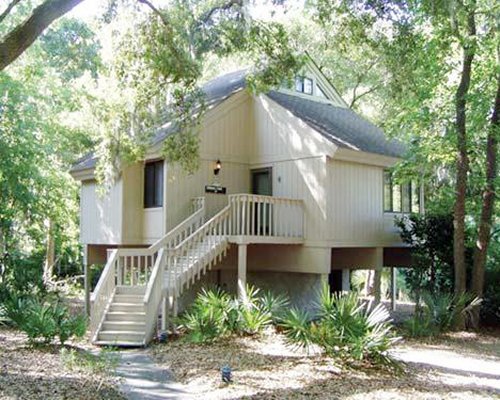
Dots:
(218, 167)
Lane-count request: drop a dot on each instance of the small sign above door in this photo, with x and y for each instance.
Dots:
(215, 189)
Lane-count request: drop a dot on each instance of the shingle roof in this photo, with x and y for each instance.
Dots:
(340, 125)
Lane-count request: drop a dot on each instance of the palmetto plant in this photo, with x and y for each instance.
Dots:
(344, 326)
(215, 313)
(441, 312)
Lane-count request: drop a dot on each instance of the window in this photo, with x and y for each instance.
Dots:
(400, 197)
(304, 85)
(320, 92)
(308, 86)
(299, 84)
(153, 184)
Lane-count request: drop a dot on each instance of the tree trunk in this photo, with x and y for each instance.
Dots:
(485, 223)
(462, 158)
(48, 268)
(23, 35)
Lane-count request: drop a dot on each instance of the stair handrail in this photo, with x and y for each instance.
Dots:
(190, 224)
(102, 293)
(153, 295)
(219, 224)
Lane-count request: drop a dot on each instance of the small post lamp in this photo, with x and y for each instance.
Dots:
(217, 167)
(226, 374)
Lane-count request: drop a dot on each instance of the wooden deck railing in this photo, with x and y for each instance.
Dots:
(257, 215)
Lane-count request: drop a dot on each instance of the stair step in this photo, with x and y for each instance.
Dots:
(137, 289)
(124, 326)
(121, 336)
(128, 298)
(123, 343)
(127, 307)
(125, 316)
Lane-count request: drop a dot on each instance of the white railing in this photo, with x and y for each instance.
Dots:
(257, 215)
(102, 294)
(192, 256)
(139, 267)
(135, 265)
(153, 296)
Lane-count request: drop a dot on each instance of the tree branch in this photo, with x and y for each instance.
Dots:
(8, 9)
(156, 11)
(23, 36)
(226, 6)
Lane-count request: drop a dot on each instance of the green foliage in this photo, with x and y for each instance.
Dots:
(431, 239)
(211, 316)
(274, 304)
(490, 309)
(43, 318)
(103, 363)
(441, 312)
(215, 314)
(73, 48)
(344, 327)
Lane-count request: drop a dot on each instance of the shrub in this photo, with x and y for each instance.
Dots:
(441, 313)
(253, 317)
(274, 304)
(43, 318)
(345, 327)
(212, 314)
(215, 313)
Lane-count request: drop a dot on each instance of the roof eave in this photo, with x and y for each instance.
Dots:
(364, 157)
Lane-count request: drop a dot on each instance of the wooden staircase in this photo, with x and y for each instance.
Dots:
(135, 284)
(125, 320)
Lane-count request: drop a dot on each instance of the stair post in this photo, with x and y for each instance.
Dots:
(242, 271)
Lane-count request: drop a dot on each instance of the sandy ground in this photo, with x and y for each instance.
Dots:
(28, 373)
(459, 366)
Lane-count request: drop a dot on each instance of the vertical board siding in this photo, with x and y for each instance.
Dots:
(101, 214)
(134, 228)
(355, 206)
(224, 137)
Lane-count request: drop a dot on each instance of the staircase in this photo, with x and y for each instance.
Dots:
(125, 320)
(136, 283)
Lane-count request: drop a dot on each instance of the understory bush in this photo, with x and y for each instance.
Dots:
(216, 313)
(42, 318)
(344, 327)
(440, 313)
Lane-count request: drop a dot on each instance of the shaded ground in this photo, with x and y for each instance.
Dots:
(267, 369)
(28, 373)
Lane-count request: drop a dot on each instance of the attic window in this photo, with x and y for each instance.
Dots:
(304, 85)
(153, 184)
(320, 92)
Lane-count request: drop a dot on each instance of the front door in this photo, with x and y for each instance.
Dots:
(262, 183)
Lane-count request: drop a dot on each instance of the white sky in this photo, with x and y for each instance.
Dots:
(261, 9)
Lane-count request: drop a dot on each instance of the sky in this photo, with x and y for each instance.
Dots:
(261, 9)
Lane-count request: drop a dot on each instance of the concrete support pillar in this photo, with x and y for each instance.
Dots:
(379, 263)
(242, 271)
(86, 278)
(393, 288)
(346, 280)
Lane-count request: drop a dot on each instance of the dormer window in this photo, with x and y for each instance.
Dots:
(304, 85)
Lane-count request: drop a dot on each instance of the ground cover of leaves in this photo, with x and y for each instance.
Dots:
(33, 373)
(265, 368)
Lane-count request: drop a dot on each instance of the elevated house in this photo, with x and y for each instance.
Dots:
(291, 192)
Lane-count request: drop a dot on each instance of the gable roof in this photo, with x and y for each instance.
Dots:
(340, 125)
